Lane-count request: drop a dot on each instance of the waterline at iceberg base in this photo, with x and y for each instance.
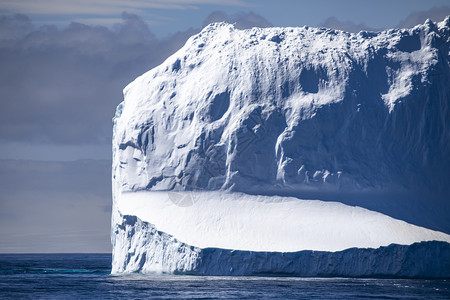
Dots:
(239, 234)
(157, 252)
(288, 151)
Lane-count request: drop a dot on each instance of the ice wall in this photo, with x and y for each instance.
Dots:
(311, 113)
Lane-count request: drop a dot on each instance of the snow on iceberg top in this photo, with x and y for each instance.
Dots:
(300, 108)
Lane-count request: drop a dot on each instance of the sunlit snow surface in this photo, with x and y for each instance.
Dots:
(262, 223)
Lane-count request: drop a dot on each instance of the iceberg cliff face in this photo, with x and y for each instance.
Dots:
(321, 108)
(311, 113)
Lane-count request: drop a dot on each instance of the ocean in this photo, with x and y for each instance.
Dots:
(87, 276)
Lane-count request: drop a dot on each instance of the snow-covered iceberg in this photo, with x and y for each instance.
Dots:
(217, 151)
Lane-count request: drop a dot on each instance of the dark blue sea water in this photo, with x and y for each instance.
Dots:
(86, 276)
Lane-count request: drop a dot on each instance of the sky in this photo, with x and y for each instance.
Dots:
(64, 65)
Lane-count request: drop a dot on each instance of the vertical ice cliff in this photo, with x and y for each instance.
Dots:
(277, 115)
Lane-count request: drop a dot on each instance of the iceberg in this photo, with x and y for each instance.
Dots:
(292, 151)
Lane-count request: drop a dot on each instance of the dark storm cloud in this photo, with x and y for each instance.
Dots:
(62, 85)
(435, 14)
(55, 206)
(242, 20)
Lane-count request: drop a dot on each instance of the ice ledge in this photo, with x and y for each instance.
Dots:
(139, 247)
(225, 220)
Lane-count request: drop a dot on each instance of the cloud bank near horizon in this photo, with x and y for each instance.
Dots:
(61, 86)
(43, 206)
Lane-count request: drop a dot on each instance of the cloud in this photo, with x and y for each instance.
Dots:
(14, 27)
(242, 20)
(55, 206)
(348, 26)
(102, 7)
(61, 86)
(435, 14)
